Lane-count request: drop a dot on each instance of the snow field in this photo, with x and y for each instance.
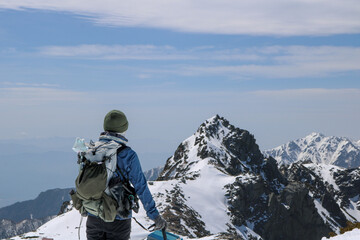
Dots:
(208, 196)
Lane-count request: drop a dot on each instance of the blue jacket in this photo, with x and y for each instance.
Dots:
(129, 164)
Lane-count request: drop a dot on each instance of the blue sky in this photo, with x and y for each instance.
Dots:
(280, 70)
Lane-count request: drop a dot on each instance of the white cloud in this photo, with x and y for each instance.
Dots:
(289, 62)
(254, 17)
(266, 62)
(116, 52)
(146, 52)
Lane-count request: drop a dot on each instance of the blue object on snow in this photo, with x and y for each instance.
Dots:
(157, 235)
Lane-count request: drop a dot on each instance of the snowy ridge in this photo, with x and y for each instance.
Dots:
(317, 148)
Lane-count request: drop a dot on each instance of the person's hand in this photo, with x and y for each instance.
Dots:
(160, 223)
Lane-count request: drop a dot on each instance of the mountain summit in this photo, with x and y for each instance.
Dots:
(318, 148)
(230, 149)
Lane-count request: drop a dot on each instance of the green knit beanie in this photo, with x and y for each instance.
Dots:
(115, 121)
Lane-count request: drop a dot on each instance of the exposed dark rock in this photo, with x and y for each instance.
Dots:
(65, 207)
(348, 181)
(177, 212)
(273, 176)
(292, 215)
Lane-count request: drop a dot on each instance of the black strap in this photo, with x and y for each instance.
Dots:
(153, 228)
(164, 234)
(146, 229)
(117, 166)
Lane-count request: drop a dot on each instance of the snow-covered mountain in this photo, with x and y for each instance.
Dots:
(317, 148)
(218, 185)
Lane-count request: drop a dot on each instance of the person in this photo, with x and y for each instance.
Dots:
(115, 126)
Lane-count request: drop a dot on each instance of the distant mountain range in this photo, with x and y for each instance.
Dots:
(317, 148)
(219, 185)
(28, 215)
(47, 204)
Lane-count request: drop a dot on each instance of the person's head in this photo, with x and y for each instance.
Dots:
(116, 121)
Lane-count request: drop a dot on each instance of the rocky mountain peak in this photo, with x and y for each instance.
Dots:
(231, 149)
(214, 127)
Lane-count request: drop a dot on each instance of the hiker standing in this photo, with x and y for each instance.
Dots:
(98, 226)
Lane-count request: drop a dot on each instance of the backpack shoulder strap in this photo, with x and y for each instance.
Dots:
(117, 166)
(121, 148)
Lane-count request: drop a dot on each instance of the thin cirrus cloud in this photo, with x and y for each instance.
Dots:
(268, 62)
(290, 62)
(146, 52)
(116, 52)
(250, 17)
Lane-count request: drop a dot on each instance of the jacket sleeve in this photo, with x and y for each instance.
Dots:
(138, 180)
